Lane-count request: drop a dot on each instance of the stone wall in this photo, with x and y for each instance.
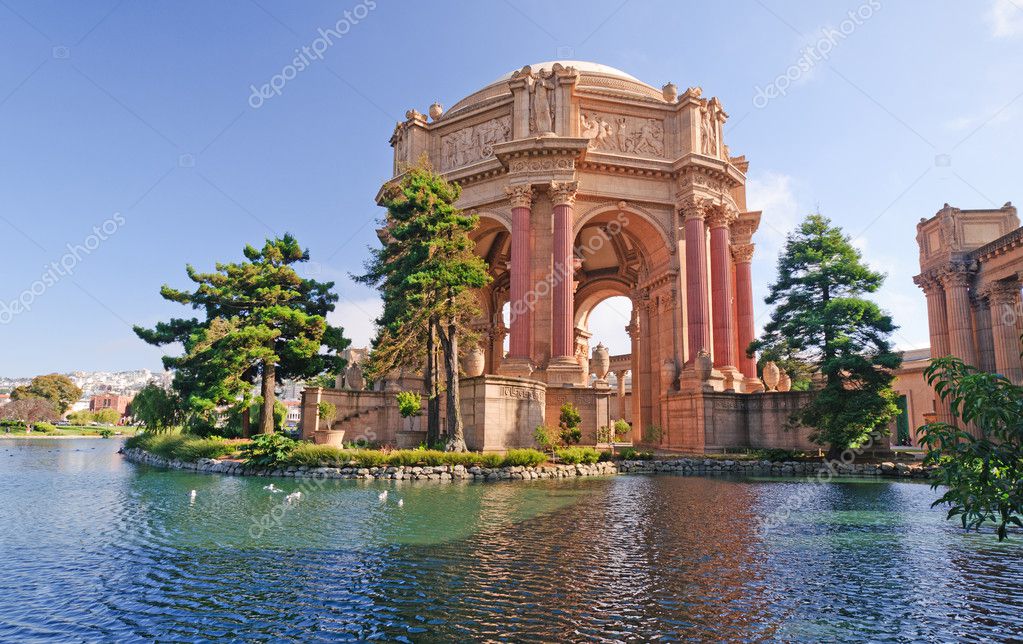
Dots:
(594, 406)
(500, 412)
(450, 473)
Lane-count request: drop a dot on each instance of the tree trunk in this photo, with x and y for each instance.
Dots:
(247, 422)
(456, 437)
(266, 412)
(432, 400)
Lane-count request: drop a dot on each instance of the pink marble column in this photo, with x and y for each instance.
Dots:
(1004, 312)
(697, 313)
(521, 312)
(743, 256)
(721, 287)
(563, 326)
(937, 314)
(985, 340)
(960, 315)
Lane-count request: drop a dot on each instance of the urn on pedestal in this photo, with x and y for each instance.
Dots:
(784, 382)
(354, 379)
(772, 375)
(600, 363)
(473, 362)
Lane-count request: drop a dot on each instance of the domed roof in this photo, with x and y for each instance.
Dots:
(593, 77)
(580, 65)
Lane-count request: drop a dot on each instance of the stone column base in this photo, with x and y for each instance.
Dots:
(516, 368)
(753, 386)
(733, 379)
(565, 371)
(691, 381)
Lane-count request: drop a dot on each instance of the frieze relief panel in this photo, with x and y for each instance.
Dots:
(522, 393)
(474, 143)
(623, 134)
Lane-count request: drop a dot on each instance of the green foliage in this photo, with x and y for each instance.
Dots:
(621, 428)
(269, 450)
(568, 424)
(410, 403)
(180, 446)
(45, 428)
(983, 476)
(155, 408)
(105, 432)
(544, 437)
(326, 412)
(575, 455)
(57, 389)
(652, 434)
(632, 454)
(260, 321)
(106, 416)
(822, 319)
(524, 458)
(776, 455)
(427, 272)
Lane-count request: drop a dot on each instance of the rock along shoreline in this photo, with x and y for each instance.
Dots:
(692, 466)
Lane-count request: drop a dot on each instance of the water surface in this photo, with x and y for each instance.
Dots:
(95, 548)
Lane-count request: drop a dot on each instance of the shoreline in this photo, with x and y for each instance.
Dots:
(449, 473)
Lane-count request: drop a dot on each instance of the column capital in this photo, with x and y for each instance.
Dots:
(957, 276)
(563, 192)
(929, 282)
(1004, 293)
(693, 208)
(521, 196)
(721, 216)
(742, 253)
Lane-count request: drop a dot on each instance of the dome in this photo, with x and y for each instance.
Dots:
(593, 77)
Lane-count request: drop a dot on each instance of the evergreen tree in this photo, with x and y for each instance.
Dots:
(427, 273)
(822, 319)
(262, 321)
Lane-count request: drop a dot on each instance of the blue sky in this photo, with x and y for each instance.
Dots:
(134, 119)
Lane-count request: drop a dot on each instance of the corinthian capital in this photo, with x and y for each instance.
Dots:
(720, 216)
(1004, 293)
(692, 208)
(957, 275)
(521, 196)
(563, 192)
(742, 253)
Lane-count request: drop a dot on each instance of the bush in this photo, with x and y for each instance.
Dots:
(776, 455)
(312, 455)
(575, 455)
(570, 419)
(269, 450)
(633, 454)
(106, 432)
(524, 458)
(544, 437)
(410, 403)
(180, 446)
(491, 460)
(621, 428)
(45, 428)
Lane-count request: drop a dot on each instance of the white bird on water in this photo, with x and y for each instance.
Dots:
(383, 495)
(294, 497)
(191, 497)
(401, 503)
(272, 488)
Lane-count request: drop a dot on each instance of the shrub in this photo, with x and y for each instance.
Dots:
(544, 437)
(180, 446)
(524, 458)
(269, 450)
(45, 428)
(652, 434)
(410, 403)
(633, 454)
(575, 455)
(775, 455)
(312, 455)
(326, 412)
(569, 422)
(621, 428)
(491, 460)
(106, 432)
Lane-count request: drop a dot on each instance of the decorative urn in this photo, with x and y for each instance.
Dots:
(600, 364)
(354, 378)
(435, 111)
(473, 362)
(784, 382)
(704, 365)
(670, 92)
(772, 374)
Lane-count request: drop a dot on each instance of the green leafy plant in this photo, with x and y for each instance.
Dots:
(106, 432)
(621, 428)
(652, 434)
(45, 428)
(983, 475)
(269, 450)
(544, 437)
(326, 412)
(524, 458)
(410, 403)
(180, 446)
(576, 455)
(569, 421)
(633, 454)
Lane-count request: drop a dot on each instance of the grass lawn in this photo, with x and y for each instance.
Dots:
(71, 431)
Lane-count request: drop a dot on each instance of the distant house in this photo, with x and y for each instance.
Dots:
(110, 401)
(294, 413)
(4, 399)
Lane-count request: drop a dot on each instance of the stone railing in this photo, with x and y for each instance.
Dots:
(679, 466)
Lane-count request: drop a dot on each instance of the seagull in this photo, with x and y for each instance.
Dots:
(383, 495)
(272, 488)
(401, 502)
(191, 497)
(294, 497)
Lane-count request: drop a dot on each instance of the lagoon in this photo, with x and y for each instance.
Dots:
(95, 548)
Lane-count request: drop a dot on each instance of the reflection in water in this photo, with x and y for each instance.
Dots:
(95, 548)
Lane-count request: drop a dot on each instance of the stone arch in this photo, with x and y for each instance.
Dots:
(493, 243)
(631, 211)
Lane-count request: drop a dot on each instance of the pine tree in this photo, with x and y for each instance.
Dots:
(262, 322)
(821, 318)
(427, 273)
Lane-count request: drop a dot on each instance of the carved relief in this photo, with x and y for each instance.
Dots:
(624, 134)
(541, 101)
(521, 196)
(709, 129)
(541, 164)
(742, 253)
(563, 192)
(522, 393)
(474, 143)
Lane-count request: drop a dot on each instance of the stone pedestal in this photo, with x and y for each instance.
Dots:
(564, 371)
(516, 367)
(501, 413)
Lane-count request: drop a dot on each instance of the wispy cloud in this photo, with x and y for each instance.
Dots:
(1005, 17)
(773, 193)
